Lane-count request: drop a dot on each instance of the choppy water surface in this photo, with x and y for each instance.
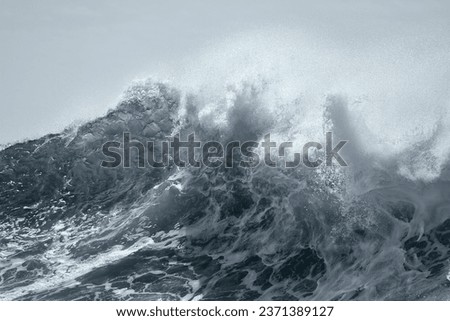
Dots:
(377, 229)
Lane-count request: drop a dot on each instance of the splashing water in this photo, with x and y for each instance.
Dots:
(377, 229)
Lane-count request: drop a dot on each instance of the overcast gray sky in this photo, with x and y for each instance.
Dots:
(63, 61)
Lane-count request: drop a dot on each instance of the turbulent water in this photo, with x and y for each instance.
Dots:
(378, 229)
(73, 230)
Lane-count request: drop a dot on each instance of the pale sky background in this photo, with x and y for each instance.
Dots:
(63, 61)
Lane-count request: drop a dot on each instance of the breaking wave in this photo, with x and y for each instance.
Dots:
(378, 229)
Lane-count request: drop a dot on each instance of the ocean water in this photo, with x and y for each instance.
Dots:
(378, 229)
